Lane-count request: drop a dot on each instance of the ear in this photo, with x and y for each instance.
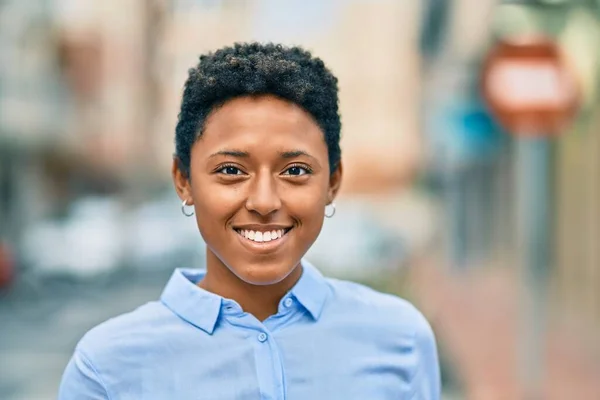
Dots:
(335, 181)
(181, 182)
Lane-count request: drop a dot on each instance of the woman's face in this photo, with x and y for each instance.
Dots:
(259, 183)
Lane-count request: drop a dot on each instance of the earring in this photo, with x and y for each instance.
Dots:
(332, 213)
(183, 205)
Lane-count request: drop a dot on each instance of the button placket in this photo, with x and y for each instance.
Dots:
(268, 366)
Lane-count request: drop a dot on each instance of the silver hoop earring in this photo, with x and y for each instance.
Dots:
(329, 215)
(183, 205)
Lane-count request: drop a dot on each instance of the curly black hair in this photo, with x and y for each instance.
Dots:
(252, 69)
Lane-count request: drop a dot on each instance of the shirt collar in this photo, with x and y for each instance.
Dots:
(201, 308)
(185, 298)
(311, 290)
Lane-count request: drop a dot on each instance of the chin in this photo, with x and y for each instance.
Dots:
(264, 274)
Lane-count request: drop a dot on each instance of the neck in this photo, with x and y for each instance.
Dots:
(262, 301)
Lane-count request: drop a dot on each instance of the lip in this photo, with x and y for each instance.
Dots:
(263, 247)
(262, 227)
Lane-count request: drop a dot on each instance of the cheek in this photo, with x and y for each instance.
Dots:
(307, 204)
(306, 207)
(310, 211)
(214, 205)
(215, 198)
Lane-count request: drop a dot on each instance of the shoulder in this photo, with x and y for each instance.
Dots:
(368, 306)
(387, 322)
(124, 334)
(107, 356)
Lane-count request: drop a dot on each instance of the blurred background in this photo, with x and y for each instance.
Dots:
(492, 233)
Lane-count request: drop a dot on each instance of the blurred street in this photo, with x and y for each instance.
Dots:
(42, 322)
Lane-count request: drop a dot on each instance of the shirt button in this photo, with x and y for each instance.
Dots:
(288, 302)
(262, 337)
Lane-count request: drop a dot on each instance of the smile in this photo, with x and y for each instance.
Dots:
(258, 236)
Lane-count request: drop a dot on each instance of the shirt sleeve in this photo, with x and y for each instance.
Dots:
(426, 383)
(81, 380)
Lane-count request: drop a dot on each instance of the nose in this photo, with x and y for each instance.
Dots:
(263, 197)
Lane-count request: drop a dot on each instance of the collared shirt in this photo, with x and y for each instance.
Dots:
(330, 339)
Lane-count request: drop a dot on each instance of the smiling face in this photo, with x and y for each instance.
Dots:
(259, 183)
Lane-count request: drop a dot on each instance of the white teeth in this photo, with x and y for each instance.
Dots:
(260, 237)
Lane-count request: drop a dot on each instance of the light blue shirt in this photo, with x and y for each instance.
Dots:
(330, 339)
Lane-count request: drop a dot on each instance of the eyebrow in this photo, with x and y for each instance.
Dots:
(245, 154)
(231, 153)
(283, 154)
(294, 154)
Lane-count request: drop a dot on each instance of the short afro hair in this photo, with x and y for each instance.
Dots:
(253, 69)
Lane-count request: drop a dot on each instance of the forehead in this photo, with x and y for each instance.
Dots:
(262, 123)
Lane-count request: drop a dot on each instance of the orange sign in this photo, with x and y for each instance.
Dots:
(529, 87)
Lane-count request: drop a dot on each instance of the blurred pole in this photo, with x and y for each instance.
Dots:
(455, 189)
(434, 21)
(533, 168)
(6, 272)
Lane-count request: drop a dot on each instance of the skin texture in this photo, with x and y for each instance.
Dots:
(261, 162)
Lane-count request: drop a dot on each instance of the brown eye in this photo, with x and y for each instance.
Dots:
(229, 170)
(296, 171)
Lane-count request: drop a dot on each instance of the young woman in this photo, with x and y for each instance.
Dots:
(258, 166)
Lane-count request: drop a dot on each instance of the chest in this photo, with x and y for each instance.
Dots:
(269, 366)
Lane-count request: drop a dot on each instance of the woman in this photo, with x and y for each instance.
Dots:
(258, 165)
